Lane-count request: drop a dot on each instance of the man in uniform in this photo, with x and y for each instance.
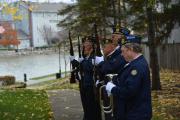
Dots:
(114, 59)
(132, 89)
(88, 98)
(112, 64)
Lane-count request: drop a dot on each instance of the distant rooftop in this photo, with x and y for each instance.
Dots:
(47, 7)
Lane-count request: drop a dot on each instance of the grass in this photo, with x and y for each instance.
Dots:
(42, 77)
(166, 103)
(7, 49)
(27, 104)
(47, 76)
(62, 83)
(22, 104)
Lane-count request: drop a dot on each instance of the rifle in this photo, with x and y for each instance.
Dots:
(96, 76)
(79, 48)
(96, 42)
(106, 104)
(97, 50)
(79, 66)
(72, 78)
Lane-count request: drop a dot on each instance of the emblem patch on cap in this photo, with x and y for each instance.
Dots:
(134, 72)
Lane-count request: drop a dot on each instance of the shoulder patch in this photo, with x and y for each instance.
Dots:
(134, 72)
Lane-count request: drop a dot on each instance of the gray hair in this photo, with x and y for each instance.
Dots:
(134, 46)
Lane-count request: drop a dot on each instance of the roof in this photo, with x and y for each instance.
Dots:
(47, 7)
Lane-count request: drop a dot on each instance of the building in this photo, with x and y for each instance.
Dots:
(38, 24)
(44, 20)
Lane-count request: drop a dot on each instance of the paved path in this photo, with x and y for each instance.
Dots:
(66, 104)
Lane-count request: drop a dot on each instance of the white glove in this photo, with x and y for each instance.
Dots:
(71, 58)
(109, 87)
(98, 60)
(97, 82)
(80, 59)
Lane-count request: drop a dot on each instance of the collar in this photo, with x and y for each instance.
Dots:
(87, 57)
(118, 47)
(139, 55)
(126, 65)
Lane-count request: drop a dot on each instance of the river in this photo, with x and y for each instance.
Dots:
(32, 65)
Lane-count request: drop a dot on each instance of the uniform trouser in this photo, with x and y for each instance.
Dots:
(119, 109)
(114, 108)
(106, 102)
(82, 100)
(98, 107)
(91, 111)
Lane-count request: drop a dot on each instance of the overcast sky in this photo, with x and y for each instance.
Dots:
(66, 1)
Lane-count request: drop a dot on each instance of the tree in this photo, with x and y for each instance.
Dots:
(11, 8)
(158, 18)
(46, 33)
(63, 36)
(9, 35)
(153, 49)
(82, 15)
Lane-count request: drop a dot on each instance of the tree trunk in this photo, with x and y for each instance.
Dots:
(156, 85)
(119, 12)
(153, 51)
(114, 12)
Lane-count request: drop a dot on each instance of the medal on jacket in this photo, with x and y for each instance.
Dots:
(134, 72)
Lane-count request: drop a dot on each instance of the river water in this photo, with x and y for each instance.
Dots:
(32, 65)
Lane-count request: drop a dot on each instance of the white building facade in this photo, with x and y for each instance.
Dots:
(44, 22)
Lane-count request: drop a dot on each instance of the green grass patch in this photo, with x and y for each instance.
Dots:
(66, 85)
(7, 49)
(42, 77)
(62, 83)
(22, 104)
(47, 76)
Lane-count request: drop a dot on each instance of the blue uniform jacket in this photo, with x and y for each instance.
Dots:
(87, 68)
(114, 63)
(133, 91)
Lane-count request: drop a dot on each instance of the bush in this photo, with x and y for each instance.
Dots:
(7, 80)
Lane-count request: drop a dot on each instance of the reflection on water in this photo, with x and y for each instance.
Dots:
(33, 65)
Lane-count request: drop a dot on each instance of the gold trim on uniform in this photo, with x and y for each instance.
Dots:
(134, 72)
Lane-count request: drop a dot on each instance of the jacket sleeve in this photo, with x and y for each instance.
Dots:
(112, 66)
(75, 63)
(131, 86)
